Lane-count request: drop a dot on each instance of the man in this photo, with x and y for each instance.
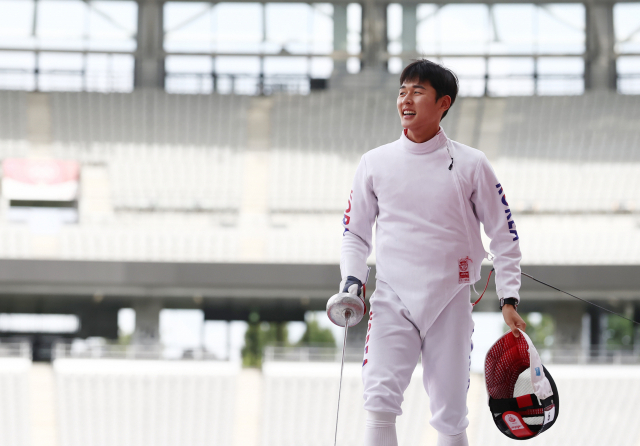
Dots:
(428, 196)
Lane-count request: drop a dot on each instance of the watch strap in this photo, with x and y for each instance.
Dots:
(509, 300)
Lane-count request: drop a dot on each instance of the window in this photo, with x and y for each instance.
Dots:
(627, 29)
(506, 49)
(102, 33)
(285, 46)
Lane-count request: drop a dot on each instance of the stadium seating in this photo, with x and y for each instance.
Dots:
(545, 239)
(149, 117)
(179, 239)
(555, 154)
(596, 127)
(163, 151)
(560, 239)
(548, 186)
(336, 121)
(289, 239)
(178, 169)
(175, 178)
(13, 115)
(13, 124)
(305, 181)
(15, 242)
(137, 243)
(320, 182)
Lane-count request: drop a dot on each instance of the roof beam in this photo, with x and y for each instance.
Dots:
(490, 2)
(266, 281)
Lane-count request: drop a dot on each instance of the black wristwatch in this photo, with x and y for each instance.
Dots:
(509, 300)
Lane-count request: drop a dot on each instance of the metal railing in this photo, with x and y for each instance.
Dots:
(65, 80)
(575, 354)
(256, 84)
(15, 348)
(561, 354)
(62, 350)
(311, 354)
(629, 83)
(248, 84)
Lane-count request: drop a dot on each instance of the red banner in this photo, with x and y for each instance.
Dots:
(47, 180)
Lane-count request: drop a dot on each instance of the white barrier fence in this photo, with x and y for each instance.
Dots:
(108, 402)
(14, 401)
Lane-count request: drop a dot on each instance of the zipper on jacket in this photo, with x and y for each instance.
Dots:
(461, 202)
(450, 165)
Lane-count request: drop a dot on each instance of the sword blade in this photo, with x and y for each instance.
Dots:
(344, 344)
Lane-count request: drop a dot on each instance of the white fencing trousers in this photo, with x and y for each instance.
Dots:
(391, 353)
(453, 440)
(380, 429)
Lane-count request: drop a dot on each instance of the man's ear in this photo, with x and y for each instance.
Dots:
(446, 102)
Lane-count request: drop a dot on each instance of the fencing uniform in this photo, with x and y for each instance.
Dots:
(427, 200)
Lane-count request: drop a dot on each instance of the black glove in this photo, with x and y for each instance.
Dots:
(351, 285)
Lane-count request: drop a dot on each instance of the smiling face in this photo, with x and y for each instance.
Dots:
(420, 112)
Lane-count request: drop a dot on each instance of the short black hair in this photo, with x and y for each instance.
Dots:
(443, 80)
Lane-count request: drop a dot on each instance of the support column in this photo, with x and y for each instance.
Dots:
(254, 206)
(39, 124)
(636, 329)
(409, 32)
(149, 65)
(598, 325)
(98, 319)
(340, 38)
(600, 66)
(585, 340)
(248, 412)
(147, 331)
(42, 405)
(228, 340)
(357, 335)
(374, 34)
(568, 329)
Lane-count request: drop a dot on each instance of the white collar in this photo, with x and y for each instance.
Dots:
(439, 140)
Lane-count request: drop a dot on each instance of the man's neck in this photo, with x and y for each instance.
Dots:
(422, 134)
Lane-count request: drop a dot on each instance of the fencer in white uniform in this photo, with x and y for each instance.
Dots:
(427, 201)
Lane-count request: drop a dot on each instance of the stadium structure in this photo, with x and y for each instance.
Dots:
(139, 172)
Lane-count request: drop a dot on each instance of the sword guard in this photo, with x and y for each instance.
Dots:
(341, 304)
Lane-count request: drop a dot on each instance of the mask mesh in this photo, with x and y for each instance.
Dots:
(525, 387)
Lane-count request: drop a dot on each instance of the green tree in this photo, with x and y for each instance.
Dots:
(316, 335)
(253, 345)
(540, 328)
(258, 336)
(276, 333)
(619, 332)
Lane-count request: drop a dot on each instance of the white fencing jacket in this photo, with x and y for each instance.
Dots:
(428, 214)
